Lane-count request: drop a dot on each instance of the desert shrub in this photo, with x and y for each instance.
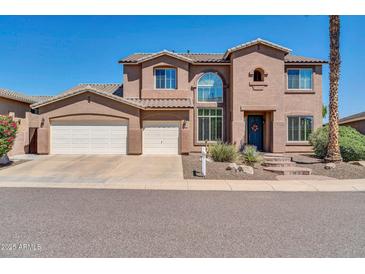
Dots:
(251, 155)
(352, 143)
(222, 152)
(8, 129)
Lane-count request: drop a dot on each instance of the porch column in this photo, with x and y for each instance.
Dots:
(279, 134)
(238, 130)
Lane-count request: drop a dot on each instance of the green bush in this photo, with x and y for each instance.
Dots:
(250, 155)
(222, 152)
(352, 143)
(8, 129)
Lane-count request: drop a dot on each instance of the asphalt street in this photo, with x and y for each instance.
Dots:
(142, 223)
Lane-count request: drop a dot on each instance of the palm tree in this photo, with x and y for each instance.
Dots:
(324, 111)
(333, 149)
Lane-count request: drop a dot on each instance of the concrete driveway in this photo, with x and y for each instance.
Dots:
(95, 169)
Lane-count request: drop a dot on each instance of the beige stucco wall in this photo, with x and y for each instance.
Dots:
(89, 106)
(132, 78)
(148, 78)
(304, 103)
(18, 108)
(140, 79)
(241, 97)
(21, 143)
(271, 97)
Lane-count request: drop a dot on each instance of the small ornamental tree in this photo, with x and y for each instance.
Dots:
(8, 129)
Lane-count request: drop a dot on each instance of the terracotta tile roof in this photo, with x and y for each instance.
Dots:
(115, 92)
(163, 103)
(21, 97)
(256, 42)
(302, 59)
(354, 117)
(112, 91)
(189, 57)
(216, 58)
(113, 88)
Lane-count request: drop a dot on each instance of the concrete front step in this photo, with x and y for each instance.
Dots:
(278, 163)
(273, 155)
(290, 170)
(277, 159)
(303, 177)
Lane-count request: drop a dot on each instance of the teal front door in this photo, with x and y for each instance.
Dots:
(256, 131)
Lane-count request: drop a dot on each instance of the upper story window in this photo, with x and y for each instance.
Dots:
(300, 79)
(165, 78)
(258, 75)
(210, 88)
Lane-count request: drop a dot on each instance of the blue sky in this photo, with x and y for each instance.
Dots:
(45, 55)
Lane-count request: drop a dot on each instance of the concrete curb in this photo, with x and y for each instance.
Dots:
(352, 185)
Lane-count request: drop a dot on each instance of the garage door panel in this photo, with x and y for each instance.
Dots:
(89, 138)
(160, 137)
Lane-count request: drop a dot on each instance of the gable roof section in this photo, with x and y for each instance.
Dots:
(145, 57)
(352, 118)
(301, 59)
(111, 88)
(218, 58)
(163, 103)
(137, 58)
(21, 97)
(105, 90)
(256, 42)
(115, 92)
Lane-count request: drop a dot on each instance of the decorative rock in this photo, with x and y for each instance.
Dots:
(358, 163)
(246, 169)
(330, 166)
(4, 160)
(232, 166)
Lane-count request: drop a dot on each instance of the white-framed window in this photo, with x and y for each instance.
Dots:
(210, 88)
(300, 79)
(299, 128)
(210, 124)
(165, 78)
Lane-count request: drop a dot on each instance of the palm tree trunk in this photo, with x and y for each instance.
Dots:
(333, 149)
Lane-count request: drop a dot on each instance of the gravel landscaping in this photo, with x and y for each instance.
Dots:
(217, 170)
(341, 171)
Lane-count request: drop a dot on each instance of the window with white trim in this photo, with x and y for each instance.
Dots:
(165, 78)
(299, 128)
(300, 78)
(210, 124)
(210, 88)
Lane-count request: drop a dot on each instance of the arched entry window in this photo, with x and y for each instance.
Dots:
(210, 88)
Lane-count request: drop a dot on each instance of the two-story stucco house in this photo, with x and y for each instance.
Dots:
(172, 103)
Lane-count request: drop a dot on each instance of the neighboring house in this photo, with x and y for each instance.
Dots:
(18, 105)
(172, 103)
(357, 121)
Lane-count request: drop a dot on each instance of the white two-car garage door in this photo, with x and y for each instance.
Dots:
(160, 137)
(104, 137)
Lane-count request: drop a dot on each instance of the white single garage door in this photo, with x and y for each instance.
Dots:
(160, 137)
(82, 137)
